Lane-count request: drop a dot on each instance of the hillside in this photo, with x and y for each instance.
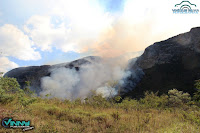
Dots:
(172, 63)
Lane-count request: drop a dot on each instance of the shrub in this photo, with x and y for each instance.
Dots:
(118, 99)
(54, 110)
(25, 101)
(27, 89)
(128, 104)
(10, 85)
(196, 96)
(10, 89)
(77, 101)
(5, 98)
(152, 100)
(97, 101)
(101, 117)
(178, 98)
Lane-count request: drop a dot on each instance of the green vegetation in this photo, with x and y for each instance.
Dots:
(197, 94)
(175, 112)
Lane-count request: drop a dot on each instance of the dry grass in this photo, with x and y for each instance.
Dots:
(68, 117)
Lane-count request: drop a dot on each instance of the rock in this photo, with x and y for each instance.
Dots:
(35, 73)
(173, 63)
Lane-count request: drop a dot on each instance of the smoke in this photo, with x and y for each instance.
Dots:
(106, 91)
(122, 38)
(61, 83)
(138, 27)
(132, 31)
(98, 76)
(87, 28)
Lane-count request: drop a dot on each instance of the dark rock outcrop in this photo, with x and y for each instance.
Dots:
(35, 73)
(173, 63)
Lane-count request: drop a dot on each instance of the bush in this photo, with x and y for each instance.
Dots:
(152, 100)
(101, 117)
(97, 101)
(25, 101)
(27, 89)
(178, 98)
(118, 99)
(196, 96)
(10, 89)
(129, 104)
(10, 85)
(5, 98)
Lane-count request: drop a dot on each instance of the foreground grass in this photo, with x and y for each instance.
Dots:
(54, 115)
(172, 113)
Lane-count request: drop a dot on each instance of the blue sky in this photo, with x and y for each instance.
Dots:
(19, 11)
(39, 32)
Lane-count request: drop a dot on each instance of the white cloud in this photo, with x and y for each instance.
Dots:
(13, 42)
(6, 65)
(84, 26)
(78, 25)
(141, 24)
(160, 16)
(45, 34)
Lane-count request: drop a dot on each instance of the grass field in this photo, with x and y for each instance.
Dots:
(154, 114)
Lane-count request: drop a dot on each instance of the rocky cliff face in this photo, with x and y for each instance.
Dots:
(173, 63)
(35, 73)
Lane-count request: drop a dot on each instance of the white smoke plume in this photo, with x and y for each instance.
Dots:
(101, 77)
